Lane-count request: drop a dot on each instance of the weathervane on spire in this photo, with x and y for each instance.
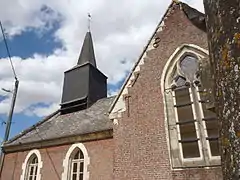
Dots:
(89, 22)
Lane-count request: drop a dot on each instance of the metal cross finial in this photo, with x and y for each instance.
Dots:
(89, 22)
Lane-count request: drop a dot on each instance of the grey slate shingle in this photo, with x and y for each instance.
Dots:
(93, 119)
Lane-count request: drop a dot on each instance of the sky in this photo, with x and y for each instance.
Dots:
(45, 39)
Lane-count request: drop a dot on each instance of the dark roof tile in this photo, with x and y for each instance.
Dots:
(93, 119)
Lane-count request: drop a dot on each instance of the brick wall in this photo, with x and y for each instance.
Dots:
(141, 150)
(198, 174)
(100, 167)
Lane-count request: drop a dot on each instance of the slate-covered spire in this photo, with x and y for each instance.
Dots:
(87, 53)
(83, 84)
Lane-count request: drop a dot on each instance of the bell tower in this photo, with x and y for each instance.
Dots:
(84, 84)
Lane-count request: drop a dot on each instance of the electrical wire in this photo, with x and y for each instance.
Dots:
(8, 52)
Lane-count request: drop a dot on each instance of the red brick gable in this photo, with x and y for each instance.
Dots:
(140, 135)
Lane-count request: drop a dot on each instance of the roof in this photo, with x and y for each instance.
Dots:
(87, 53)
(196, 18)
(93, 119)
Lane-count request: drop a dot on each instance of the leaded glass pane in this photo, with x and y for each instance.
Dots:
(81, 167)
(207, 113)
(35, 160)
(74, 167)
(81, 177)
(81, 155)
(189, 66)
(31, 170)
(214, 145)
(188, 131)
(36, 170)
(212, 128)
(180, 81)
(182, 96)
(183, 104)
(74, 177)
(77, 155)
(190, 150)
(185, 113)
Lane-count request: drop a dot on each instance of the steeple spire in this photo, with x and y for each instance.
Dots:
(84, 84)
(87, 53)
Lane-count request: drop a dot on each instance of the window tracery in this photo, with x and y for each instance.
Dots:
(192, 126)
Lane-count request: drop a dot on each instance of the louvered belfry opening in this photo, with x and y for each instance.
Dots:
(84, 84)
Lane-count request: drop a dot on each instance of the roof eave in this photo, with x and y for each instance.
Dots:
(91, 136)
(198, 20)
(31, 128)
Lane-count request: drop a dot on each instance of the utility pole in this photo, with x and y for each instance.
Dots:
(14, 97)
(9, 123)
(223, 26)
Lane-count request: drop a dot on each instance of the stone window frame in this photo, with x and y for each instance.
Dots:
(175, 152)
(25, 165)
(67, 161)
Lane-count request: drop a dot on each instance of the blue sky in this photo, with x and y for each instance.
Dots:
(45, 38)
(24, 46)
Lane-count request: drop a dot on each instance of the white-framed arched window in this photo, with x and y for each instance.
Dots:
(192, 127)
(76, 163)
(32, 166)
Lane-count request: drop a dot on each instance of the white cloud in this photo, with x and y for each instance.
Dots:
(41, 111)
(120, 29)
(19, 15)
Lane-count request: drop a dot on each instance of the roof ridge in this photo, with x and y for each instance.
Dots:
(169, 10)
(31, 127)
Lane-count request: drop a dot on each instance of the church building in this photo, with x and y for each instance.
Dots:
(160, 126)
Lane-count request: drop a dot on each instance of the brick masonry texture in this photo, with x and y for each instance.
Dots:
(141, 151)
(100, 167)
(139, 148)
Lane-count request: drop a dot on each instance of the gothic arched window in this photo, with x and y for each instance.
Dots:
(193, 128)
(32, 168)
(77, 165)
